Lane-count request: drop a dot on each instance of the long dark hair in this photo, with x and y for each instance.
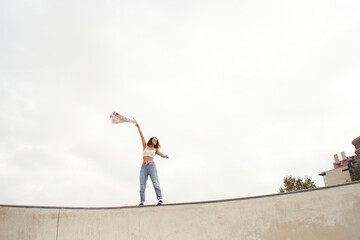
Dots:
(149, 143)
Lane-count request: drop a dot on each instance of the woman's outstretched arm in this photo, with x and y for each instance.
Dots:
(161, 155)
(141, 135)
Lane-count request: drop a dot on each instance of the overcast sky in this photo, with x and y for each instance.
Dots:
(239, 94)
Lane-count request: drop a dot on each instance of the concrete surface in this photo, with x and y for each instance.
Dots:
(325, 213)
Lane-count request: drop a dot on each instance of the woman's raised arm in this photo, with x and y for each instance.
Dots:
(141, 135)
(161, 155)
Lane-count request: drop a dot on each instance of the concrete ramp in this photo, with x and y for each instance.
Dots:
(321, 214)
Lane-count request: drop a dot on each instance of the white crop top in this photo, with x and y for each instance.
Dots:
(149, 153)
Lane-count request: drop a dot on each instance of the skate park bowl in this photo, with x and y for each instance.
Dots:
(322, 214)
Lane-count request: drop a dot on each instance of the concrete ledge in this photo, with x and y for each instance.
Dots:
(185, 203)
(327, 213)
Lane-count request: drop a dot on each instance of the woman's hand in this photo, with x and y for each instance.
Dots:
(166, 156)
(137, 125)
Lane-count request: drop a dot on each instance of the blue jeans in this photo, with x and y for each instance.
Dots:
(149, 169)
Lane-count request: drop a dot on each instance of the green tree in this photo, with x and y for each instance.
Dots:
(356, 173)
(295, 184)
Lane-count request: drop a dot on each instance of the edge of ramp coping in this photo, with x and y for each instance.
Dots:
(184, 203)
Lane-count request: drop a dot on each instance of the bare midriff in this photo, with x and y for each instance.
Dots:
(148, 159)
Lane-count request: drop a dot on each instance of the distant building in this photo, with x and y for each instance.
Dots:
(341, 172)
(356, 143)
(342, 168)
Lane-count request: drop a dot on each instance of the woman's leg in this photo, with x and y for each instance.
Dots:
(154, 180)
(143, 178)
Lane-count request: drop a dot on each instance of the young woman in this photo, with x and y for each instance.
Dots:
(148, 168)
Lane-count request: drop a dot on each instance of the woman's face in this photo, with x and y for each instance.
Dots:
(154, 141)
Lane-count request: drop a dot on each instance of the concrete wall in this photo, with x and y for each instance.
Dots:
(322, 214)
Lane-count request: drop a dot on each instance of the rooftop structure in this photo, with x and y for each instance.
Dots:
(342, 168)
